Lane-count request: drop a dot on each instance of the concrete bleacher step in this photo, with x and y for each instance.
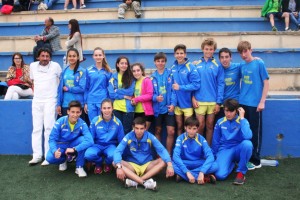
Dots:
(150, 40)
(148, 13)
(59, 5)
(273, 58)
(146, 25)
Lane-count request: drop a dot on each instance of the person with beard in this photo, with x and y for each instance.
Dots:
(45, 77)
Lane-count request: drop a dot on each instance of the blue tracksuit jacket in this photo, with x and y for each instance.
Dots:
(116, 93)
(96, 85)
(212, 81)
(230, 133)
(78, 89)
(187, 77)
(106, 133)
(61, 133)
(192, 149)
(140, 151)
(169, 94)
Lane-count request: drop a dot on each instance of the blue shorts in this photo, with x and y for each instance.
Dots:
(276, 14)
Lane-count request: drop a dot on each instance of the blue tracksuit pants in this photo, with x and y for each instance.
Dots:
(194, 168)
(93, 110)
(96, 152)
(63, 146)
(227, 158)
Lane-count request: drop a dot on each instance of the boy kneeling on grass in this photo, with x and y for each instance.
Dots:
(232, 142)
(70, 135)
(138, 165)
(193, 159)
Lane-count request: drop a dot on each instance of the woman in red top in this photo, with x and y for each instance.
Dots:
(18, 79)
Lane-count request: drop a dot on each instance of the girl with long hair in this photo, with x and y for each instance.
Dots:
(97, 81)
(121, 90)
(143, 94)
(72, 84)
(75, 40)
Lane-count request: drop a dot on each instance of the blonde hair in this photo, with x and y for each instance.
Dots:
(209, 42)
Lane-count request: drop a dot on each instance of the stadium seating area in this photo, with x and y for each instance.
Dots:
(163, 25)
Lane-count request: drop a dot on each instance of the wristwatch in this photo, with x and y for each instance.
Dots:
(119, 166)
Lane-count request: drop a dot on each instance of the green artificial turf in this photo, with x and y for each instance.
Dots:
(20, 181)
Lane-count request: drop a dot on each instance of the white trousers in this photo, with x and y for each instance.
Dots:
(14, 92)
(43, 116)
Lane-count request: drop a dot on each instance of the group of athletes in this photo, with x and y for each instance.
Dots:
(222, 101)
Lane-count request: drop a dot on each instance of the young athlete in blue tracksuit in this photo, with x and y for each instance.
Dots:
(193, 159)
(97, 81)
(107, 131)
(121, 90)
(185, 80)
(232, 142)
(164, 100)
(69, 135)
(72, 83)
(134, 157)
(207, 100)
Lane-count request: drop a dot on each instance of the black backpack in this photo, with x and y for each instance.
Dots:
(22, 5)
(8, 2)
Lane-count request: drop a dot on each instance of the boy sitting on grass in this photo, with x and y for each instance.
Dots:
(193, 159)
(133, 157)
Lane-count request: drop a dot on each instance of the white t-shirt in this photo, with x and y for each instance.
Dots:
(45, 80)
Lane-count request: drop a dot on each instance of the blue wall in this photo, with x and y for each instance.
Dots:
(281, 116)
(272, 57)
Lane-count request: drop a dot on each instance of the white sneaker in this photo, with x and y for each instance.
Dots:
(130, 183)
(40, 6)
(63, 166)
(82, 6)
(150, 184)
(73, 9)
(65, 8)
(45, 163)
(35, 161)
(45, 6)
(80, 171)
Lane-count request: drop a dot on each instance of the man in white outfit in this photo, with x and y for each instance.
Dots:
(45, 75)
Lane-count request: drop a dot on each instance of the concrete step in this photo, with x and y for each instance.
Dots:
(59, 5)
(197, 25)
(130, 41)
(148, 12)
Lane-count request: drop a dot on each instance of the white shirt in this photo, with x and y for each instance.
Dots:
(45, 80)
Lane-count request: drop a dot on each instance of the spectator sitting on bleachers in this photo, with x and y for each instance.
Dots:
(271, 9)
(130, 4)
(293, 8)
(49, 38)
(18, 79)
